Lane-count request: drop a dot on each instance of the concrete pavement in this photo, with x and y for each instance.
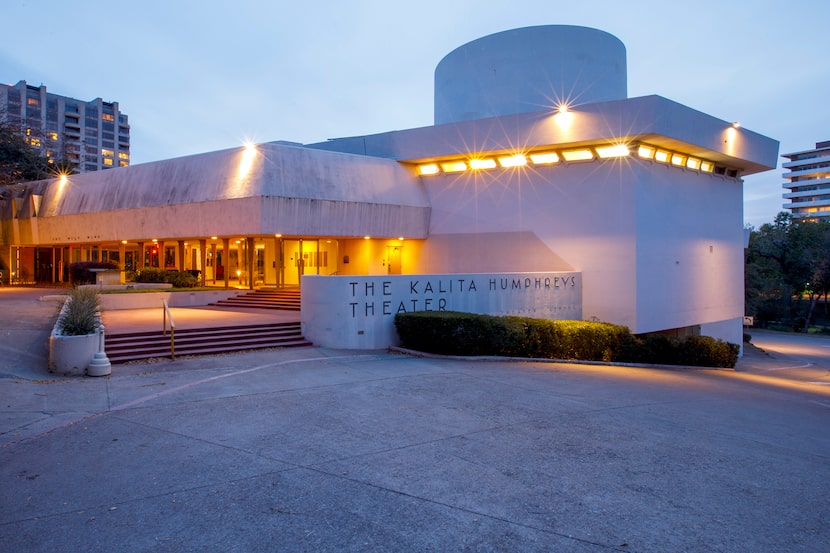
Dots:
(320, 450)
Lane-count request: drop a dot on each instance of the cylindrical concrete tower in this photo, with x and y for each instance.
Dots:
(529, 69)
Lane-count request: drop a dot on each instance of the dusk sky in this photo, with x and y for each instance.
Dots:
(198, 76)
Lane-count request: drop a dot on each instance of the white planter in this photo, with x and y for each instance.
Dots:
(71, 355)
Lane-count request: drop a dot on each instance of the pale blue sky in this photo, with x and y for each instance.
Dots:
(202, 75)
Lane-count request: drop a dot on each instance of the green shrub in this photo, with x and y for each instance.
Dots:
(82, 312)
(79, 272)
(150, 274)
(454, 333)
(179, 279)
(182, 279)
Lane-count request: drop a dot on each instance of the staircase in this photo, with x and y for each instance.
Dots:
(121, 348)
(288, 300)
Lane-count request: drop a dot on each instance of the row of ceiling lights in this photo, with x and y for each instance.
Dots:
(644, 151)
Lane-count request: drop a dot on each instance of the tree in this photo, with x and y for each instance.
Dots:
(786, 262)
(19, 162)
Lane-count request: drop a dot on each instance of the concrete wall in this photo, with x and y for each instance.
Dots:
(358, 312)
(529, 69)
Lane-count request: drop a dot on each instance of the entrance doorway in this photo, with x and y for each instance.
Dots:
(393, 260)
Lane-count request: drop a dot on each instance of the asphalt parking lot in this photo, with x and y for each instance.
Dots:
(323, 450)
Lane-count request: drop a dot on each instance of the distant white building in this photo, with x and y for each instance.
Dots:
(541, 190)
(91, 136)
(808, 182)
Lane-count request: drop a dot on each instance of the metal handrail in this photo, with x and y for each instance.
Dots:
(168, 315)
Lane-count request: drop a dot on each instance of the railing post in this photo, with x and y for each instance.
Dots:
(167, 314)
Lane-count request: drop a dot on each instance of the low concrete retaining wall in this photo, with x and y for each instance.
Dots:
(143, 300)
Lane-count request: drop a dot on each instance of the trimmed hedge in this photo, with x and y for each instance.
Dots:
(455, 333)
(79, 272)
(179, 279)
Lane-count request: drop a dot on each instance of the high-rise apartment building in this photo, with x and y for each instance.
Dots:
(808, 180)
(91, 136)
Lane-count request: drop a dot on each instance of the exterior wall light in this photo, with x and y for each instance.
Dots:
(678, 160)
(693, 163)
(707, 166)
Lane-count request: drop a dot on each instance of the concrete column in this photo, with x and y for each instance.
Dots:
(213, 257)
(180, 257)
(202, 260)
(122, 260)
(162, 260)
(226, 247)
(139, 263)
(250, 259)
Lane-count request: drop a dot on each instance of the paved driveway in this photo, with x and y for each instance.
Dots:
(321, 450)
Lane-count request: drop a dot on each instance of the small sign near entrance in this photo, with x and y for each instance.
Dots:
(749, 321)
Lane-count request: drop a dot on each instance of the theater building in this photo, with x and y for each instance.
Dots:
(541, 184)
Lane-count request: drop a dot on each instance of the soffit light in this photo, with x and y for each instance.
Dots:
(517, 160)
(678, 160)
(544, 158)
(549, 157)
(482, 164)
(620, 150)
(583, 154)
(454, 166)
(646, 152)
(428, 169)
(662, 156)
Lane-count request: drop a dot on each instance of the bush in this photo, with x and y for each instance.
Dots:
(179, 279)
(454, 333)
(82, 312)
(79, 272)
(182, 279)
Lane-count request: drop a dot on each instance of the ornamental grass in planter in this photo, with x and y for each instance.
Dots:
(82, 313)
(74, 340)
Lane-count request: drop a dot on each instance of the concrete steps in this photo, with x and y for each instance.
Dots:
(121, 348)
(288, 300)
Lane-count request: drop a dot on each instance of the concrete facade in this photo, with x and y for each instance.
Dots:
(639, 197)
(808, 182)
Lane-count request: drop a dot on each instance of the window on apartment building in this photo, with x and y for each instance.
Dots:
(108, 135)
(33, 101)
(91, 149)
(90, 167)
(108, 117)
(107, 162)
(124, 163)
(123, 155)
(108, 144)
(109, 153)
